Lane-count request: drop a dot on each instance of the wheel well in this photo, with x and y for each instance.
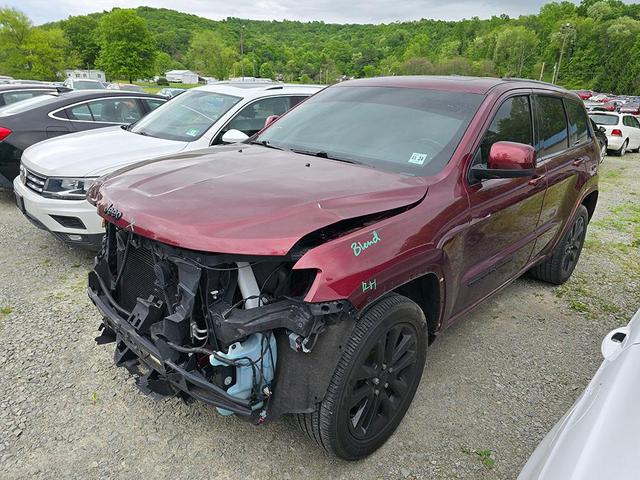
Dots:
(425, 291)
(590, 202)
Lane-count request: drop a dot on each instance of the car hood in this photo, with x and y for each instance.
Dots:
(93, 153)
(249, 200)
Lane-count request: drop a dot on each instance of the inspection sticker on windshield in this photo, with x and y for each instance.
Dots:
(418, 158)
(192, 132)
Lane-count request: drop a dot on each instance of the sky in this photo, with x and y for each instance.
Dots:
(330, 11)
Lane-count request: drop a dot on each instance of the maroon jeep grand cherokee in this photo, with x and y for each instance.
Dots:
(306, 270)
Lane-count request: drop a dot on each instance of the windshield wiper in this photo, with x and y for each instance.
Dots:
(322, 154)
(265, 143)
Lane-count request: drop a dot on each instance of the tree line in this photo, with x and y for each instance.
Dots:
(595, 45)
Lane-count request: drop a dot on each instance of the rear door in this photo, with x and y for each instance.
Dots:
(568, 152)
(503, 212)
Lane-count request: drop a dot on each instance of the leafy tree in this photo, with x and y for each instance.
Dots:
(127, 49)
(81, 32)
(27, 52)
(266, 70)
(209, 55)
(515, 49)
(163, 63)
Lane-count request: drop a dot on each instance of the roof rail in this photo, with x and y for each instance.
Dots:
(517, 79)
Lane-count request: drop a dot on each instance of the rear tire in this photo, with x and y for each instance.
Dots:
(374, 381)
(558, 268)
(623, 149)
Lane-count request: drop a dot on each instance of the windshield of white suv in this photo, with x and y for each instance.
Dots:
(604, 119)
(186, 117)
(405, 130)
(86, 85)
(28, 104)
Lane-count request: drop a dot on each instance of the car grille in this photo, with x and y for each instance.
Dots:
(33, 181)
(138, 278)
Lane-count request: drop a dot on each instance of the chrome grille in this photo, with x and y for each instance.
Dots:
(33, 181)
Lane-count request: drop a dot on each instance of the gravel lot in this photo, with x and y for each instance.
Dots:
(493, 385)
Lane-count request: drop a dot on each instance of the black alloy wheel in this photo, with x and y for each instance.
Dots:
(374, 382)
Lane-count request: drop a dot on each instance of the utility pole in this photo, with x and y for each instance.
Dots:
(242, 51)
(566, 30)
(542, 71)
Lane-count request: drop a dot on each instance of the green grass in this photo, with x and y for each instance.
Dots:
(6, 310)
(485, 456)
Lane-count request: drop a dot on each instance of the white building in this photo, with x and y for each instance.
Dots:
(181, 76)
(92, 74)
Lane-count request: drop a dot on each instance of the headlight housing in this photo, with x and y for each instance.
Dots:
(67, 188)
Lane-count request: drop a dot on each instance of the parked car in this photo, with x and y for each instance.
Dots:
(622, 130)
(196, 119)
(584, 94)
(306, 270)
(53, 114)
(5, 79)
(171, 92)
(598, 437)
(10, 93)
(125, 86)
(601, 136)
(84, 84)
(631, 107)
(601, 97)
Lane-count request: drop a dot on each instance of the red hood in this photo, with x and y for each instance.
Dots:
(253, 200)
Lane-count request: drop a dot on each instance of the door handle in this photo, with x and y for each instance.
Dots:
(537, 179)
(578, 162)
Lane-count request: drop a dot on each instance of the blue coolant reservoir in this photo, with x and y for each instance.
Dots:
(255, 347)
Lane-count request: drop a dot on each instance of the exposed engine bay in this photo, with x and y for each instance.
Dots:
(230, 330)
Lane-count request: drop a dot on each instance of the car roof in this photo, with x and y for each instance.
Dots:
(452, 83)
(260, 89)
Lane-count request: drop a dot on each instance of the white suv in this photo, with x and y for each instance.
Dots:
(55, 174)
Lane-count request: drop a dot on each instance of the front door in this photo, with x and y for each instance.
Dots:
(504, 213)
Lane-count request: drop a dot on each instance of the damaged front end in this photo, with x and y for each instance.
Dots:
(229, 330)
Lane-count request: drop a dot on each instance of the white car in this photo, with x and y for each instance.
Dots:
(55, 174)
(622, 130)
(599, 437)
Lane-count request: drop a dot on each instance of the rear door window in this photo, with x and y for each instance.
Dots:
(553, 136)
(578, 127)
(512, 123)
(107, 110)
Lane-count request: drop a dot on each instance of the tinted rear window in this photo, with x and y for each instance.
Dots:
(603, 119)
(578, 127)
(552, 131)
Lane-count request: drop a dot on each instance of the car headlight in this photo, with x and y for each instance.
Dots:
(67, 188)
(23, 174)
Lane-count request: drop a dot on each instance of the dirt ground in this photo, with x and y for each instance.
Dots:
(493, 384)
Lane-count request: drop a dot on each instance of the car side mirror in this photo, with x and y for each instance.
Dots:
(270, 119)
(602, 129)
(507, 160)
(234, 136)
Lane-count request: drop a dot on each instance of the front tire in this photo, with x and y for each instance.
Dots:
(374, 381)
(558, 268)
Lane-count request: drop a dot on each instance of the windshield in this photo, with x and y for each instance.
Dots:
(85, 85)
(404, 130)
(187, 117)
(28, 104)
(601, 119)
